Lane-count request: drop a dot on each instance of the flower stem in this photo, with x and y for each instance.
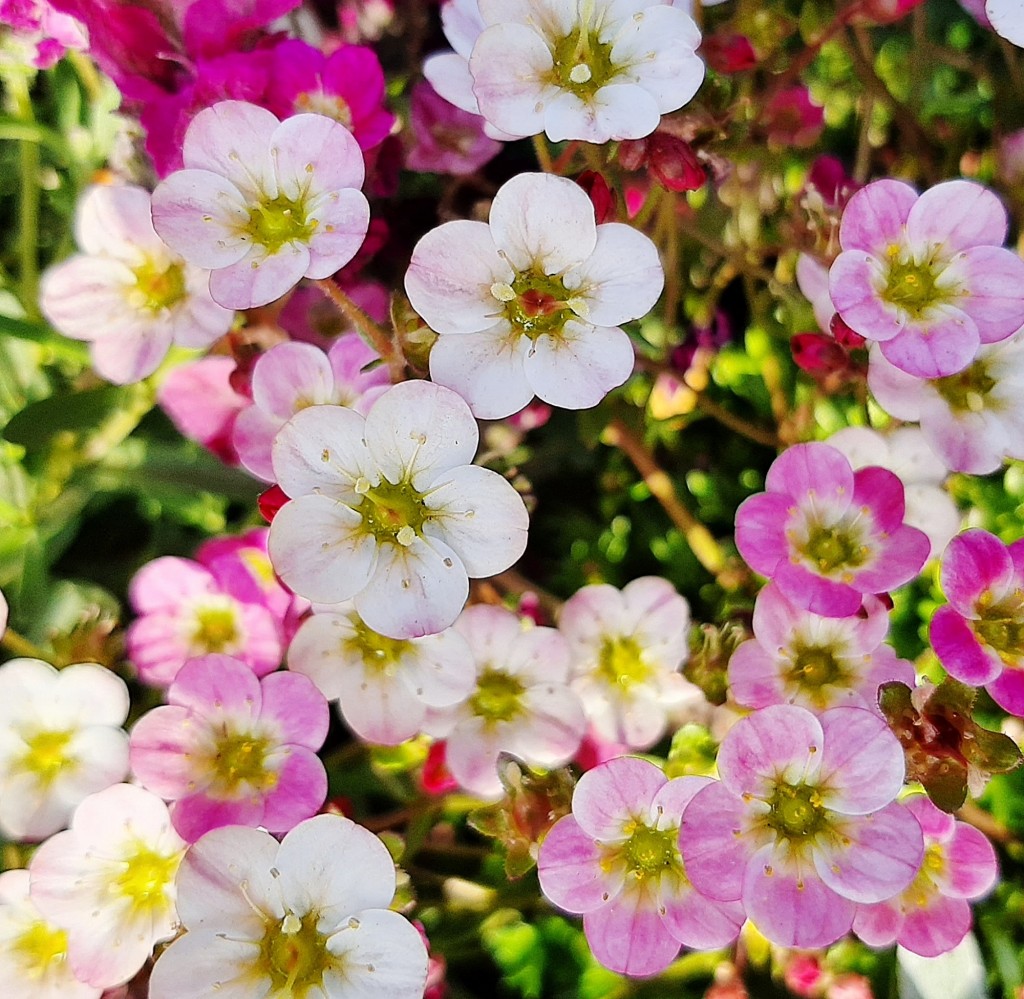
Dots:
(28, 205)
(21, 646)
(759, 435)
(374, 334)
(540, 147)
(702, 542)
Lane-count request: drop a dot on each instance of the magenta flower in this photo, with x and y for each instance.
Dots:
(616, 861)
(801, 658)
(979, 635)
(933, 915)
(828, 535)
(446, 139)
(803, 825)
(292, 376)
(263, 203)
(230, 749)
(184, 612)
(927, 276)
(347, 85)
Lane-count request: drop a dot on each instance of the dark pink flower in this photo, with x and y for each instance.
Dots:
(446, 139)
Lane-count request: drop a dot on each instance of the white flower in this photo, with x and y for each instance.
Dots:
(906, 452)
(627, 648)
(1007, 18)
(389, 512)
(109, 882)
(60, 740)
(303, 918)
(531, 303)
(521, 703)
(127, 292)
(33, 952)
(383, 685)
(595, 70)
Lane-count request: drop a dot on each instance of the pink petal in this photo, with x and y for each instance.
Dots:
(878, 856)
(852, 283)
(313, 152)
(378, 708)
(936, 929)
(342, 218)
(754, 677)
(197, 814)
(628, 936)
(971, 866)
(111, 219)
(959, 650)
(862, 765)
(710, 842)
(1007, 691)
(878, 925)
(570, 871)
(290, 377)
(160, 746)
(538, 655)
(232, 139)
(790, 905)
(973, 562)
(296, 708)
(252, 435)
(875, 216)
(902, 556)
(957, 215)
(607, 796)
(700, 922)
(551, 733)
(300, 792)
(761, 532)
(259, 278)
(940, 344)
(815, 468)
(817, 594)
(880, 493)
(125, 358)
(993, 279)
(166, 583)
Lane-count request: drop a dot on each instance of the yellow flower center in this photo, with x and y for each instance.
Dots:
(392, 513)
(498, 696)
(238, 761)
(275, 222)
(835, 548)
(329, 105)
(294, 956)
(216, 630)
(652, 853)
(582, 62)
(968, 390)
(378, 652)
(45, 756)
(1001, 625)
(814, 667)
(913, 286)
(621, 663)
(147, 879)
(40, 946)
(158, 285)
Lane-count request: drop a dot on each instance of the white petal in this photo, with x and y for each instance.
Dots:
(203, 964)
(382, 956)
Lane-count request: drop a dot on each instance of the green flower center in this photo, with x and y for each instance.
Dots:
(378, 652)
(147, 878)
(158, 285)
(1001, 625)
(651, 853)
(274, 222)
(835, 548)
(46, 756)
(621, 663)
(796, 812)
(537, 304)
(216, 630)
(913, 286)
(815, 666)
(392, 513)
(239, 759)
(967, 390)
(498, 696)
(40, 946)
(294, 956)
(582, 63)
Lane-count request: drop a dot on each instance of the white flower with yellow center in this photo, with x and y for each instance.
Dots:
(60, 740)
(108, 882)
(127, 292)
(306, 918)
(33, 952)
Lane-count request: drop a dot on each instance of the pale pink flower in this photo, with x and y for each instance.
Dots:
(60, 741)
(979, 635)
(304, 917)
(201, 402)
(231, 749)
(292, 376)
(521, 702)
(933, 915)
(388, 511)
(33, 952)
(803, 824)
(828, 535)
(627, 648)
(927, 275)
(263, 203)
(108, 882)
(126, 292)
(797, 657)
(906, 453)
(531, 303)
(595, 70)
(184, 611)
(1007, 19)
(383, 686)
(616, 861)
(972, 420)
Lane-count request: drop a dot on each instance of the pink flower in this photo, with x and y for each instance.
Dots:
(792, 119)
(932, 916)
(926, 275)
(446, 139)
(979, 635)
(616, 861)
(47, 31)
(803, 823)
(972, 420)
(183, 612)
(292, 376)
(797, 657)
(530, 304)
(263, 203)
(347, 86)
(201, 402)
(230, 749)
(827, 535)
(520, 704)
(126, 293)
